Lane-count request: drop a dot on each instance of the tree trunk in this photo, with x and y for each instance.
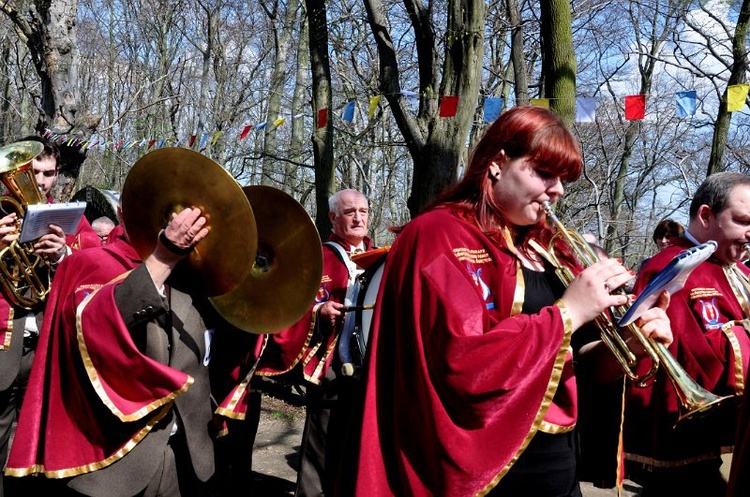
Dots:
(516, 53)
(559, 59)
(739, 69)
(322, 137)
(436, 144)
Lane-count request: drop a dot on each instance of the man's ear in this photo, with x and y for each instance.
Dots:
(704, 215)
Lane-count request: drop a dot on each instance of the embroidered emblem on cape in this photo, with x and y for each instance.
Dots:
(710, 314)
(698, 293)
(323, 294)
(486, 293)
(474, 256)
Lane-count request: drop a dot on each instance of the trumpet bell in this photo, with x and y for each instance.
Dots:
(287, 270)
(168, 180)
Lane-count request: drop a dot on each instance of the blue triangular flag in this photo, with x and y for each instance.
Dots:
(492, 108)
(685, 103)
(349, 111)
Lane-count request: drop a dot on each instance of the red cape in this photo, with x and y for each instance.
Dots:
(81, 412)
(457, 380)
(310, 341)
(712, 346)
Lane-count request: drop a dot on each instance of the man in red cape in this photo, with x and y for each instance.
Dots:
(309, 348)
(19, 325)
(122, 374)
(710, 342)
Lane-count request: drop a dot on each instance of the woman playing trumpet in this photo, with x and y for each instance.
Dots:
(470, 385)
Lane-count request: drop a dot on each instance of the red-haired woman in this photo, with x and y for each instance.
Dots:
(469, 384)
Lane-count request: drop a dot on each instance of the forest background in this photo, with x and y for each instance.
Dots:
(262, 87)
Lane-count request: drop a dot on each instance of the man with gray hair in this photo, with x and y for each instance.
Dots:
(307, 351)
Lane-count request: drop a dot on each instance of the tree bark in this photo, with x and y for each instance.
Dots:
(559, 60)
(737, 76)
(322, 137)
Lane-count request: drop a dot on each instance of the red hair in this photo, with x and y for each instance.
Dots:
(532, 132)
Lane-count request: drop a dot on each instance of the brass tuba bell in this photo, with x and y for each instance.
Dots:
(24, 276)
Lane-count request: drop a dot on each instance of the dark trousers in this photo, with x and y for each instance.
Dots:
(328, 414)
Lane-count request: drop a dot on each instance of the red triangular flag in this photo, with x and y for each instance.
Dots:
(635, 107)
(151, 143)
(448, 105)
(245, 131)
(191, 142)
(322, 118)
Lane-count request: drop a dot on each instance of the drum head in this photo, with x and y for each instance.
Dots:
(367, 297)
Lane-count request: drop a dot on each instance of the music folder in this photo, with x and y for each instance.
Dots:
(671, 278)
(38, 217)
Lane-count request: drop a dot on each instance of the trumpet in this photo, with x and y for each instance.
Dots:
(694, 399)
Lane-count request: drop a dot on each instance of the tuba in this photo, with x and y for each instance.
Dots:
(24, 276)
(262, 263)
(694, 399)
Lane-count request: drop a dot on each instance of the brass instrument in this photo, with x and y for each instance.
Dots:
(262, 262)
(694, 399)
(24, 276)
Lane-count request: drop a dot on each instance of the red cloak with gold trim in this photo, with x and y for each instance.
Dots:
(92, 396)
(713, 347)
(457, 380)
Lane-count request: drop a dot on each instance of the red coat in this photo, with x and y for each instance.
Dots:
(714, 349)
(458, 381)
(92, 395)
(309, 342)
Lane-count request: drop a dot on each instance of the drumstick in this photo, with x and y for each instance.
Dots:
(350, 308)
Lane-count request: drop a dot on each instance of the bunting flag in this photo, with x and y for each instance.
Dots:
(492, 108)
(348, 115)
(736, 96)
(635, 107)
(374, 101)
(585, 110)
(448, 105)
(322, 118)
(685, 103)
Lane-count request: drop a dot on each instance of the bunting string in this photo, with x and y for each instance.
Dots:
(635, 107)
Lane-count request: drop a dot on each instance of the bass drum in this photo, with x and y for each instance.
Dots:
(356, 331)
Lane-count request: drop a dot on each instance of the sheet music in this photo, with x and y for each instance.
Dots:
(38, 217)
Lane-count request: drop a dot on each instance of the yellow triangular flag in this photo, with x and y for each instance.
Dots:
(216, 138)
(540, 102)
(278, 122)
(374, 101)
(736, 96)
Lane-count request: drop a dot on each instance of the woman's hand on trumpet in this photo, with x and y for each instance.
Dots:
(589, 294)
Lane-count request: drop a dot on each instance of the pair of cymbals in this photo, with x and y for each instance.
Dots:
(262, 261)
